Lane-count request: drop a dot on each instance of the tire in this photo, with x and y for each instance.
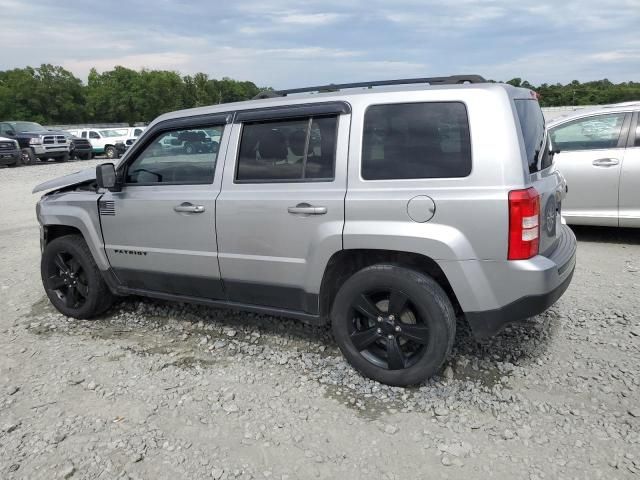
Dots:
(111, 152)
(189, 149)
(62, 159)
(86, 156)
(66, 260)
(28, 157)
(401, 346)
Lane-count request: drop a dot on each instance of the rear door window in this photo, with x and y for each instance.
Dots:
(297, 150)
(416, 140)
(532, 126)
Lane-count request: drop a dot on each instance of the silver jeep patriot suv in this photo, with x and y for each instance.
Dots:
(385, 208)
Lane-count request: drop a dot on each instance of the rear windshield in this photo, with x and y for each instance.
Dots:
(535, 142)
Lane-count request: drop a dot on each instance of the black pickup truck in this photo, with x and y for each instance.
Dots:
(36, 142)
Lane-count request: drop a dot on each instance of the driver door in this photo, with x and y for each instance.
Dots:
(159, 231)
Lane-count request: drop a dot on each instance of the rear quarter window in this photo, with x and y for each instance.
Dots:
(416, 140)
(532, 126)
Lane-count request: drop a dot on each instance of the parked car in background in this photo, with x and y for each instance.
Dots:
(103, 140)
(384, 212)
(600, 159)
(192, 141)
(79, 148)
(10, 153)
(36, 142)
(134, 133)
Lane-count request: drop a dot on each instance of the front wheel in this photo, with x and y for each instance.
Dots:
(72, 280)
(28, 157)
(111, 152)
(393, 324)
(62, 159)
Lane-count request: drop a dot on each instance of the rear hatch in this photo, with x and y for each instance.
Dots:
(542, 175)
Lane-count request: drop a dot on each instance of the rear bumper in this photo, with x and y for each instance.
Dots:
(488, 323)
(494, 294)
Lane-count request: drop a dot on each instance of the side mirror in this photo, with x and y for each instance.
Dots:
(106, 175)
(11, 133)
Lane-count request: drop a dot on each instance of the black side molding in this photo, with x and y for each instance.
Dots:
(116, 286)
(292, 111)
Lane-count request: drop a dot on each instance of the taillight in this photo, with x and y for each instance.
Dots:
(524, 224)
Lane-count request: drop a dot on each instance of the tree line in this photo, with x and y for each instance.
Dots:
(49, 94)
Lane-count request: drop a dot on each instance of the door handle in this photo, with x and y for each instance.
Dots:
(306, 209)
(188, 208)
(605, 162)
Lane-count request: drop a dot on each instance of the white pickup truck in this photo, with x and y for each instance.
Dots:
(103, 140)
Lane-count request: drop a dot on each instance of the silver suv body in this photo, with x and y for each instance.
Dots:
(385, 211)
(599, 154)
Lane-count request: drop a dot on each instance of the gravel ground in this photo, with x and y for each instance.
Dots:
(164, 391)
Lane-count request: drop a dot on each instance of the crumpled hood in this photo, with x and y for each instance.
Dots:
(83, 176)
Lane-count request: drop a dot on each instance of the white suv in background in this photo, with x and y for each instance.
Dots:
(600, 158)
(133, 134)
(103, 140)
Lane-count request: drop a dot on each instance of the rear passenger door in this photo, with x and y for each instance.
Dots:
(629, 209)
(281, 209)
(591, 156)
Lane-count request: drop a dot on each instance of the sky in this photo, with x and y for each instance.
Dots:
(286, 44)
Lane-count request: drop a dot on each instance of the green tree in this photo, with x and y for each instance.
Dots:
(47, 94)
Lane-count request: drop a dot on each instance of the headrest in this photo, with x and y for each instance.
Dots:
(272, 146)
(297, 140)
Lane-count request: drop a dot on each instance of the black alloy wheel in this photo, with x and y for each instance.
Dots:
(72, 280)
(387, 329)
(393, 324)
(68, 280)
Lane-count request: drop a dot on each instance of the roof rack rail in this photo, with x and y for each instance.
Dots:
(333, 87)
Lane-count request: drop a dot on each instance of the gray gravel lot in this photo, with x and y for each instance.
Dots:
(160, 391)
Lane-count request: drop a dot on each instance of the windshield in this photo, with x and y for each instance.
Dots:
(27, 127)
(533, 133)
(114, 133)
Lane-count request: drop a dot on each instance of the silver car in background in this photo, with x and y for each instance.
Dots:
(600, 158)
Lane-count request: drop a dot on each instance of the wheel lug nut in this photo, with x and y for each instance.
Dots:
(390, 337)
(392, 317)
(379, 330)
(398, 329)
(379, 319)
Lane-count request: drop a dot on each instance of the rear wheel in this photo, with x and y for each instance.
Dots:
(393, 324)
(28, 157)
(72, 280)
